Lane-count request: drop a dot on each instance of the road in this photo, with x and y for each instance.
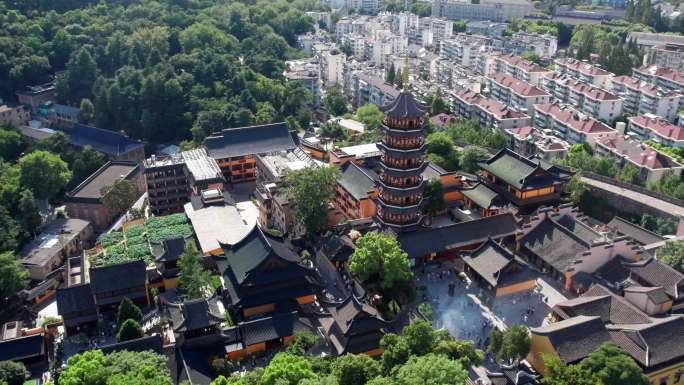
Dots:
(636, 196)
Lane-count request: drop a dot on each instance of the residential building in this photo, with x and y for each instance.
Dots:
(667, 56)
(85, 201)
(492, 114)
(569, 124)
(305, 71)
(656, 129)
(34, 96)
(371, 89)
(116, 145)
(583, 71)
(543, 45)
(57, 115)
(356, 191)
(234, 149)
(527, 183)
(515, 66)
(653, 165)
(584, 97)
(273, 203)
(649, 39)
(172, 180)
(530, 142)
(665, 78)
(485, 27)
(331, 64)
(365, 7)
(347, 25)
(442, 120)
(499, 10)
(59, 240)
(259, 282)
(15, 116)
(465, 50)
(516, 93)
(645, 98)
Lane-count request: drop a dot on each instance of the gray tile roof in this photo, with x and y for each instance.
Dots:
(482, 196)
(233, 142)
(357, 181)
(105, 176)
(601, 302)
(75, 299)
(489, 260)
(656, 273)
(51, 240)
(426, 241)
(656, 294)
(107, 141)
(118, 277)
(404, 106)
(638, 233)
(518, 171)
(575, 338)
(656, 344)
(555, 244)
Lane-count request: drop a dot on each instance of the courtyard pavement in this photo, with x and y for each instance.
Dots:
(471, 313)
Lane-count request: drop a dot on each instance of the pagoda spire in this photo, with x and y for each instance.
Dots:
(405, 73)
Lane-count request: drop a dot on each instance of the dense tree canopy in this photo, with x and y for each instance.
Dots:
(44, 173)
(193, 278)
(13, 373)
(311, 191)
(152, 67)
(378, 258)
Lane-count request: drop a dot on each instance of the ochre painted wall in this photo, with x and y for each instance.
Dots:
(250, 311)
(540, 345)
(515, 288)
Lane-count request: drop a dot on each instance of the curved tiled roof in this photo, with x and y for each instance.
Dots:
(404, 106)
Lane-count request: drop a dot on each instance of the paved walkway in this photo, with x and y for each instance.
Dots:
(636, 196)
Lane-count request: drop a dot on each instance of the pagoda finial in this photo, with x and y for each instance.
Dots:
(405, 74)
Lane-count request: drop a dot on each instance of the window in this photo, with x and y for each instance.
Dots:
(663, 380)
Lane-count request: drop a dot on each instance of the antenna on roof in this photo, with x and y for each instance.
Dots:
(405, 80)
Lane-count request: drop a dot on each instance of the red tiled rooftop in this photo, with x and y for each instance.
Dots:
(518, 86)
(659, 125)
(637, 152)
(643, 87)
(573, 119)
(442, 119)
(497, 109)
(585, 68)
(526, 65)
(522, 132)
(662, 72)
(591, 91)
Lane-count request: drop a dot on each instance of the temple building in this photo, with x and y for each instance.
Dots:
(262, 273)
(401, 164)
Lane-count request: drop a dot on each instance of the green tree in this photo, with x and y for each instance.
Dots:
(9, 231)
(672, 254)
(119, 368)
(129, 330)
(127, 310)
(352, 369)
(379, 258)
(391, 74)
(87, 368)
(87, 113)
(515, 343)
(13, 373)
(287, 369)
(120, 196)
(333, 130)
(495, 341)
(433, 196)
(420, 337)
(611, 365)
(13, 275)
(438, 105)
(396, 351)
(79, 78)
(440, 149)
(471, 156)
(335, 102)
(29, 215)
(576, 189)
(311, 190)
(463, 351)
(11, 144)
(629, 174)
(431, 369)
(560, 374)
(192, 276)
(303, 341)
(44, 173)
(606, 167)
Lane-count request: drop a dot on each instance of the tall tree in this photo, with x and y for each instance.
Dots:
(287, 369)
(11, 144)
(611, 365)
(433, 195)
(77, 82)
(420, 337)
(672, 254)
(430, 369)
(515, 344)
(29, 215)
(13, 373)
(391, 74)
(9, 231)
(352, 369)
(311, 190)
(193, 278)
(44, 173)
(560, 374)
(87, 113)
(335, 102)
(379, 258)
(127, 310)
(129, 330)
(471, 156)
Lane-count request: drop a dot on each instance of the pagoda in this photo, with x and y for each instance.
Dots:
(402, 162)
